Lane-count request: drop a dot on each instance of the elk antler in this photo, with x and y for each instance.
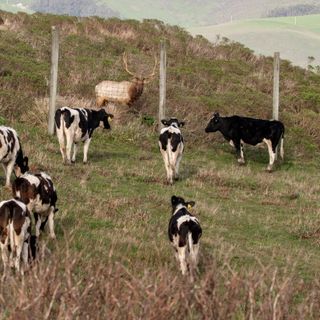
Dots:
(153, 71)
(125, 62)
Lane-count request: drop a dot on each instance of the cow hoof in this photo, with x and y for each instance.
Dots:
(269, 169)
(241, 162)
(53, 236)
(85, 162)
(73, 161)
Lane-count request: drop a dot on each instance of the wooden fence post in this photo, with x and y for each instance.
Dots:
(53, 78)
(276, 74)
(162, 83)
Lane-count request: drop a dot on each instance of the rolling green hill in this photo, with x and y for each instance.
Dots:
(295, 38)
(112, 259)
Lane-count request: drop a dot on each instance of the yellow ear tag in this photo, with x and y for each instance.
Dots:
(189, 206)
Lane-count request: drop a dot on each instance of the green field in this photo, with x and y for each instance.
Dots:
(296, 40)
(112, 258)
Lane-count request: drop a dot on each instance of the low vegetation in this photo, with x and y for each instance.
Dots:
(112, 259)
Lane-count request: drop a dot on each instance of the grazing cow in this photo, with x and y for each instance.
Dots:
(39, 194)
(171, 147)
(11, 155)
(184, 233)
(15, 230)
(74, 125)
(238, 130)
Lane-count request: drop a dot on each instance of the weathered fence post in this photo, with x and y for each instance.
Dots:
(53, 78)
(276, 73)
(162, 83)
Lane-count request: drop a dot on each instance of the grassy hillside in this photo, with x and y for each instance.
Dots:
(112, 258)
(265, 36)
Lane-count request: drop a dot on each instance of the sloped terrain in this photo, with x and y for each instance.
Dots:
(112, 258)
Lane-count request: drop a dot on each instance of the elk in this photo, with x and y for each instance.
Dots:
(124, 92)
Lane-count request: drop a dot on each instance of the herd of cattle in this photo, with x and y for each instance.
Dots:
(35, 194)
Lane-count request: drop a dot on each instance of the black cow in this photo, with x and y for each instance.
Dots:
(238, 130)
(171, 147)
(11, 155)
(74, 125)
(184, 233)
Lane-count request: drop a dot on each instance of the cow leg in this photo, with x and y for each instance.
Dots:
(272, 154)
(177, 161)
(25, 254)
(182, 258)
(19, 242)
(85, 150)
(75, 148)
(166, 163)
(194, 254)
(5, 256)
(51, 223)
(60, 136)
(69, 147)
(9, 170)
(38, 224)
(239, 149)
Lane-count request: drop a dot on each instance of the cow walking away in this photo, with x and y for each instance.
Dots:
(11, 155)
(171, 147)
(75, 125)
(15, 232)
(238, 130)
(184, 233)
(39, 194)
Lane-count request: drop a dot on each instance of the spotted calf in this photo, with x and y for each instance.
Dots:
(15, 230)
(171, 147)
(75, 125)
(39, 194)
(184, 233)
(11, 155)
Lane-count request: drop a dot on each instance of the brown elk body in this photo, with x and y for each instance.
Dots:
(124, 92)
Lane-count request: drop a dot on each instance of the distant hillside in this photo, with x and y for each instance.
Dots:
(175, 12)
(296, 38)
(202, 77)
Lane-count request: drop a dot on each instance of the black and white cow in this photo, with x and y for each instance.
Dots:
(238, 130)
(171, 147)
(75, 125)
(15, 231)
(11, 155)
(39, 194)
(184, 233)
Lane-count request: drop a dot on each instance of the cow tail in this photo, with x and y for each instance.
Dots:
(11, 237)
(190, 246)
(57, 118)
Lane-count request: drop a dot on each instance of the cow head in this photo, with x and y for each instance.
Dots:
(173, 122)
(105, 118)
(214, 123)
(175, 201)
(21, 166)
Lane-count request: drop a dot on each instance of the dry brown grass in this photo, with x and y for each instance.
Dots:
(73, 286)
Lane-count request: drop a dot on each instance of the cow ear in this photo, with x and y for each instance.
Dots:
(181, 123)
(174, 201)
(110, 115)
(216, 115)
(190, 204)
(165, 122)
